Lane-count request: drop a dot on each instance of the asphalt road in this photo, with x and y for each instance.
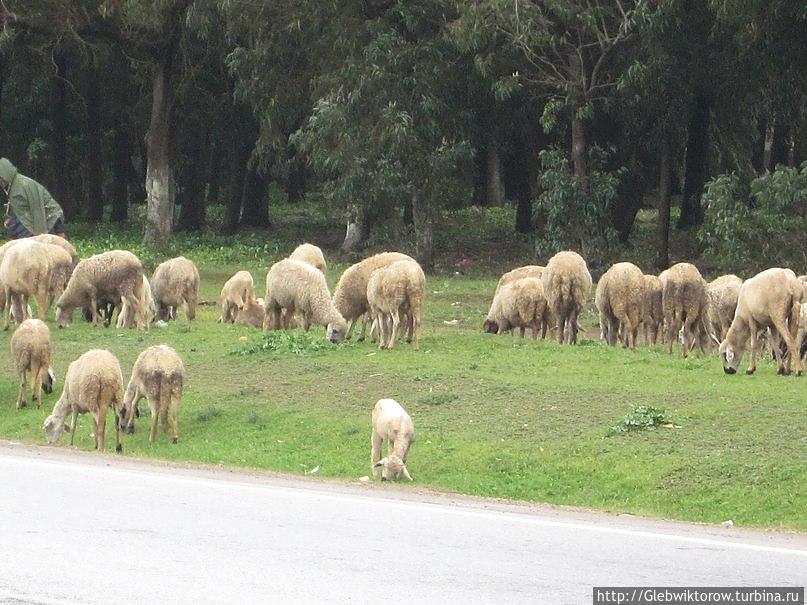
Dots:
(99, 529)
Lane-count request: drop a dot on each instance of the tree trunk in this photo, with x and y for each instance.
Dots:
(697, 164)
(295, 187)
(122, 168)
(579, 148)
(767, 150)
(424, 215)
(494, 189)
(408, 219)
(663, 219)
(59, 119)
(95, 193)
(791, 147)
(358, 232)
(255, 201)
(214, 173)
(192, 211)
(238, 169)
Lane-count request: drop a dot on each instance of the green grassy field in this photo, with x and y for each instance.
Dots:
(495, 416)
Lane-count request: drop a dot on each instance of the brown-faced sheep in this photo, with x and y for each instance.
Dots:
(26, 272)
(685, 304)
(296, 287)
(771, 299)
(392, 424)
(519, 273)
(619, 300)
(653, 309)
(396, 291)
(252, 314)
(519, 304)
(159, 376)
(57, 240)
(175, 283)
(722, 293)
(311, 254)
(350, 295)
(236, 292)
(567, 286)
(93, 383)
(114, 275)
(31, 350)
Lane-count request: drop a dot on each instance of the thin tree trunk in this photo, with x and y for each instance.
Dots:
(408, 219)
(192, 211)
(121, 167)
(95, 193)
(424, 216)
(59, 119)
(494, 190)
(357, 233)
(791, 147)
(697, 164)
(214, 173)
(524, 187)
(663, 219)
(767, 150)
(238, 169)
(295, 186)
(255, 202)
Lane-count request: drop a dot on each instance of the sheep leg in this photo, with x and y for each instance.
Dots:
(520, 333)
(754, 347)
(164, 418)
(790, 340)
(74, 426)
(36, 375)
(350, 324)
(42, 303)
(396, 322)
(573, 327)
(22, 397)
(365, 319)
(100, 425)
(174, 424)
(561, 328)
(375, 454)
(8, 304)
(190, 308)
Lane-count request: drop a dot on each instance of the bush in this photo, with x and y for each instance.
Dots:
(766, 229)
(641, 417)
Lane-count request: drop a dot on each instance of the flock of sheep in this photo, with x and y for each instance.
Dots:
(385, 290)
(729, 312)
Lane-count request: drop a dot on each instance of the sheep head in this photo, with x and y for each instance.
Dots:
(336, 329)
(393, 467)
(64, 315)
(53, 427)
(490, 326)
(48, 381)
(730, 356)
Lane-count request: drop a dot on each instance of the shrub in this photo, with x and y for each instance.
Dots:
(641, 417)
(294, 342)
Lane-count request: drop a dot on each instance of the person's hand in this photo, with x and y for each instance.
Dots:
(7, 223)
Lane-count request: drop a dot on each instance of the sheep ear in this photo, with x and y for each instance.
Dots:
(717, 342)
(52, 375)
(382, 462)
(406, 474)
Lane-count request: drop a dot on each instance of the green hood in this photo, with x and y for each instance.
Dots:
(29, 201)
(7, 170)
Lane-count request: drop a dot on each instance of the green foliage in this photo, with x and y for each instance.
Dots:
(295, 342)
(209, 413)
(763, 231)
(640, 417)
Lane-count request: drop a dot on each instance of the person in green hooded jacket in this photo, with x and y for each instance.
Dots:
(31, 210)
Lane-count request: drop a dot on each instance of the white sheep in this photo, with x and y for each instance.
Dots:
(771, 299)
(567, 287)
(296, 287)
(311, 254)
(722, 293)
(31, 350)
(396, 291)
(93, 383)
(392, 424)
(653, 309)
(126, 316)
(26, 272)
(239, 289)
(252, 314)
(175, 283)
(159, 376)
(685, 305)
(519, 273)
(619, 300)
(57, 240)
(519, 304)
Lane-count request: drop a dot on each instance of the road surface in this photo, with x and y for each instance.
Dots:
(87, 528)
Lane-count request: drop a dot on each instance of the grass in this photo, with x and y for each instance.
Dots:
(495, 416)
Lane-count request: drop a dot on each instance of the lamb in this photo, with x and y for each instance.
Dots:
(126, 316)
(392, 424)
(175, 283)
(236, 292)
(653, 309)
(93, 383)
(395, 290)
(294, 286)
(31, 351)
(159, 376)
(26, 272)
(771, 299)
(350, 295)
(519, 304)
(722, 294)
(57, 240)
(619, 300)
(685, 304)
(114, 275)
(567, 286)
(311, 254)
(251, 314)
(518, 273)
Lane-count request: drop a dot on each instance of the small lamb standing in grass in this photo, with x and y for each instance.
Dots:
(93, 383)
(771, 299)
(567, 287)
(653, 309)
(239, 289)
(685, 304)
(392, 424)
(311, 254)
(296, 287)
(619, 300)
(396, 291)
(519, 304)
(252, 314)
(26, 272)
(159, 376)
(31, 350)
(175, 283)
(350, 294)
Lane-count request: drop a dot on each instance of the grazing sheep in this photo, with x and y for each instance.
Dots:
(394, 291)
(801, 337)
(93, 383)
(57, 240)
(685, 304)
(236, 292)
(392, 424)
(26, 272)
(519, 304)
(653, 309)
(126, 317)
(722, 293)
(519, 273)
(252, 314)
(175, 283)
(619, 300)
(771, 299)
(61, 268)
(114, 275)
(31, 351)
(293, 286)
(350, 295)
(567, 286)
(158, 375)
(311, 254)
